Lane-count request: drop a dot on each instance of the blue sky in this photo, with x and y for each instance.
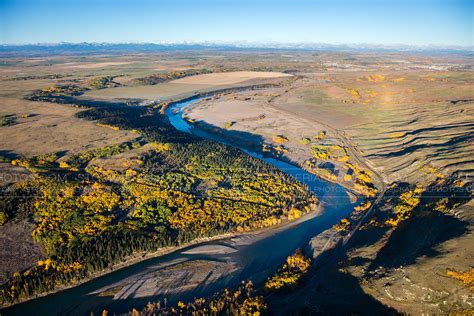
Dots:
(416, 22)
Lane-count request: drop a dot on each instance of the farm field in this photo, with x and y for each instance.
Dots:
(92, 163)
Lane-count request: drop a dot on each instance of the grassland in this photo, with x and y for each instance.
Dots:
(166, 192)
(92, 162)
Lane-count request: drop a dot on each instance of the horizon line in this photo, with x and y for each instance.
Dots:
(253, 44)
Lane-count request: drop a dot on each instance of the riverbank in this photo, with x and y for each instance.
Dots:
(246, 118)
(142, 257)
(250, 248)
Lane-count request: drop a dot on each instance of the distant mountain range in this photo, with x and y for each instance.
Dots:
(85, 48)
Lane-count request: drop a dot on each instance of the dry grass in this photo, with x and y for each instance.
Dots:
(94, 65)
(412, 119)
(17, 249)
(159, 91)
(53, 128)
(226, 78)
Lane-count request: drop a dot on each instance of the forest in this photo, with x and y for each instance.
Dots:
(88, 217)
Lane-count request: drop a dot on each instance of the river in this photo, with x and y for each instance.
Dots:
(222, 263)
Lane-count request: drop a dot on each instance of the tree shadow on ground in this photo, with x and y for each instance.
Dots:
(253, 142)
(326, 290)
(423, 233)
(417, 238)
(329, 290)
(9, 155)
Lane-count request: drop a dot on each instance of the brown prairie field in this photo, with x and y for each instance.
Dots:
(376, 123)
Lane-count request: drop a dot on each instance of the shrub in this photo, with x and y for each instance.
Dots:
(343, 225)
(242, 301)
(467, 278)
(280, 139)
(288, 276)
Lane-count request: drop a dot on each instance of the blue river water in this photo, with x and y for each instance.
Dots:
(258, 259)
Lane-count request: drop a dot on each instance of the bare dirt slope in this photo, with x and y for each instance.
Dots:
(50, 128)
(413, 127)
(409, 116)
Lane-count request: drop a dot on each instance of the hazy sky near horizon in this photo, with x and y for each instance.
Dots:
(415, 22)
